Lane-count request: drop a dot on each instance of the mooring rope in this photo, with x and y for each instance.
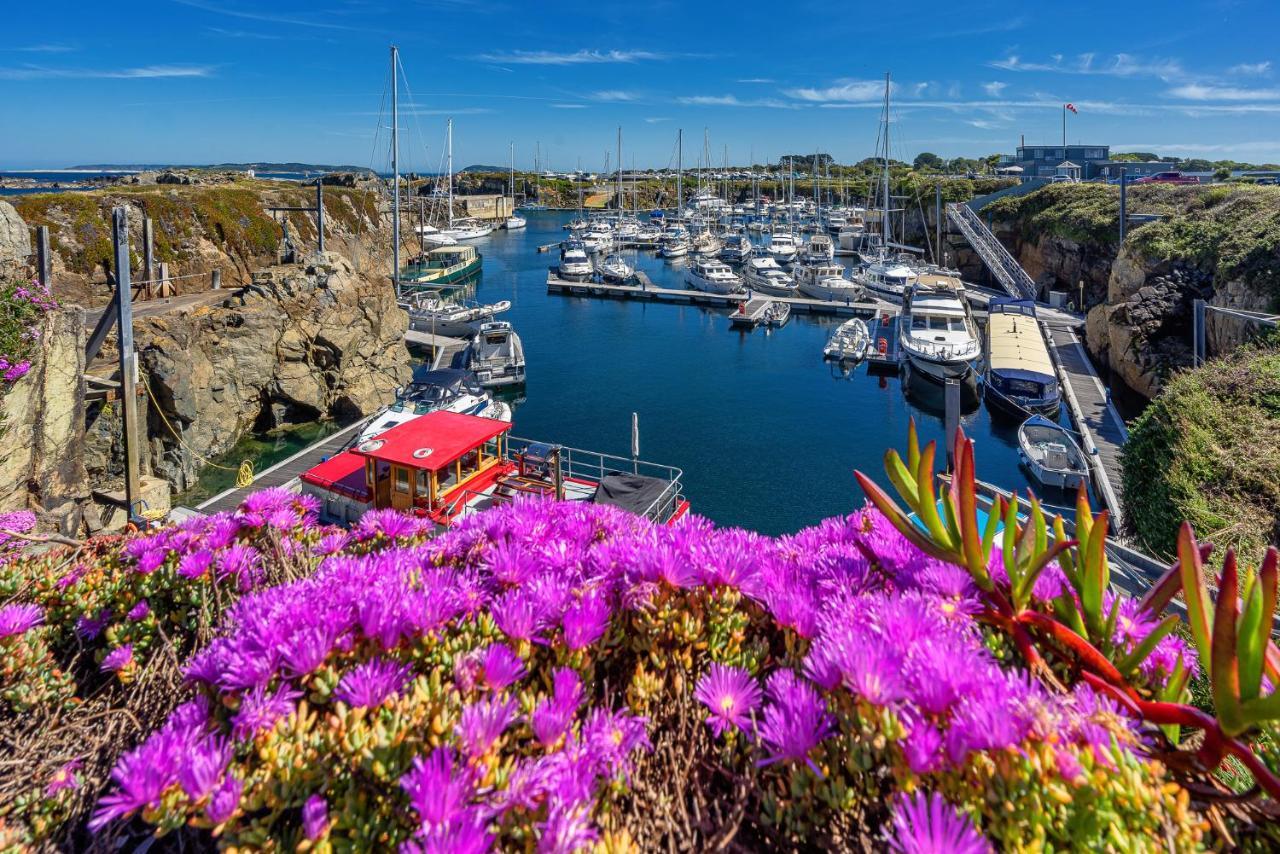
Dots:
(244, 474)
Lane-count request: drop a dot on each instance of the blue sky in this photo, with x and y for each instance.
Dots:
(228, 80)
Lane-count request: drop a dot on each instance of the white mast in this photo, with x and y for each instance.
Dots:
(621, 206)
(886, 226)
(679, 173)
(513, 175)
(449, 167)
(395, 172)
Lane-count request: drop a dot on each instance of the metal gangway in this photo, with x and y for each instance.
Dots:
(1008, 272)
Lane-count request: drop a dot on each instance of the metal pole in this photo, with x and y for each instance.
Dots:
(215, 279)
(395, 170)
(320, 212)
(937, 215)
(128, 359)
(148, 256)
(44, 260)
(952, 396)
(1197, 333)
(1124, 201)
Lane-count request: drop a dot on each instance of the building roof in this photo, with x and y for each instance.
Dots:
(1067, 164)
(431, 442)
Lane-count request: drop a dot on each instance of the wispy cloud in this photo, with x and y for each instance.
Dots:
(841, 90)
(732, 101)
(244, 34)
(1203, 92)
(613, 95)
(267, 17)
(757, 80)
(1251, 69)
(653, 120)
(994, 88)
(568, 106)
(39, 72)
(577, 57)
(44, 48)
(1119, 65)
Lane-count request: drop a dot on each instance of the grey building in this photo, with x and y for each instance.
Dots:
(1094, 162)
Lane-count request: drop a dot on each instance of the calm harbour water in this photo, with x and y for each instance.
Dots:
(767, 433)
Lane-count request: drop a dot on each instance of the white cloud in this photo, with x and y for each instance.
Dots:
(568, 106)
(757, 80)
(613, 95)
(1168, 148)
(37, 72)
(579, 57)
(263, 16)
(1119, 65)
(1251, 69)
(994, 88)
(731, 101)
(841, 90)
(44, 48)
(1202, 92)
(653, 120)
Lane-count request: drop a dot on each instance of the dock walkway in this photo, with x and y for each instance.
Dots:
(284, 471)
(447, 352)
(750, 312)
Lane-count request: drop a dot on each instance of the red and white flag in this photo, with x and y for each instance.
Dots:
(1071, 107)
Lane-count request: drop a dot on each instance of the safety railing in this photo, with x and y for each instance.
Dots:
(1007, 271)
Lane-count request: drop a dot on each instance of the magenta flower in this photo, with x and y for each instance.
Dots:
(502, 667)
(195, 564)
(315, 817)
(795, 721)
(204, 766)
(118, 659)
(225, 801)
(139, 611)
(482, 723)
(19, 619)
(435, 792)
(551, 717)
(371, 683)
(586, 620)
(927, 824)
(259, 710)
(64, 778)
(731, 695)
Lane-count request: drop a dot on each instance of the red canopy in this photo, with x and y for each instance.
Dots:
(343, 473)
(433, 441)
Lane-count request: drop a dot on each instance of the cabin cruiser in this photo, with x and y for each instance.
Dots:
(715, 277)
(598, 238)
(451, 319)
(849, 237)
(1051, 454)
(706, 244)
(826, 281)
(439, 390)
(937, 330)
(574, 263)
(675, 242)
(782, 247)
(849, 343)
(764, 275)
(443, 265)
(886, 275)
(496, 355)
(468, 229)
(817, 250)
(736, 249)
(1020, 375)
(515, 222)
(444, 467)
(429, 235)
(615, 269)
(648, 236)
(626, 229)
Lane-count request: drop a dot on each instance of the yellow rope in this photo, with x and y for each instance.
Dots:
(244, 474)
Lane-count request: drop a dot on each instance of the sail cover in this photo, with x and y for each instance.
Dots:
(632, 492)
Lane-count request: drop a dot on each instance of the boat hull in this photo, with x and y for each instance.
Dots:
(846, 292)
(1066, 480)
(712, 287)
(765, 287)
(453, 276)
(936, 369)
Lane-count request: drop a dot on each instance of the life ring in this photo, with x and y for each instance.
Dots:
(883, 346)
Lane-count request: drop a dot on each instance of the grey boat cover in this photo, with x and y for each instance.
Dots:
(632, 492)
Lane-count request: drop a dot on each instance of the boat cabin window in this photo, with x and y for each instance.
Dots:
(402, 479)
(424, 483)
(918, 322)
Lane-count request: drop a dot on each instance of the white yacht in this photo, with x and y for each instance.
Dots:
(675, 242)
(937, 331)
(515, 222)
(736, 250)
(713, 276)
(468, 229)
(706, 244)
(886, 275)
(647, 236)
(598, 237)
(451, 319)
(496, 355)
(443, 389)
(764, 275)
(817, 249)
(826, 281)
(782, 247)
(615, 269)
(432, 236)
(574, 263)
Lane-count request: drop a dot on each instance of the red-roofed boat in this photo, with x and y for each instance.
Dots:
(446, 465)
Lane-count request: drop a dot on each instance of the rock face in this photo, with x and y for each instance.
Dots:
(15, 240)
(42, 427)
(303, 342)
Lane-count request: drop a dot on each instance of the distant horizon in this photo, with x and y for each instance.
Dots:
(192, 81)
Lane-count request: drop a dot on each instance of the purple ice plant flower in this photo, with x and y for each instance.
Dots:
(151, 560)
(19, 619)
(315, 817)
(118, 659)
(551, 717)
(202, 768)
(437, 791)
(66, 777)
(586, 620)
(731, 695)
(89, 627)
(260, 709)
(370, 684)
(611, 737)
(195, 564)
(927, 824)
(332, 543)
(795, 721)
(567, 830)
(242, 563)
(517, 615)
(225, 800)
(502, 667)
(139, 611)
(467, 834)
(390, 524)
(482, 723)
(923, 748)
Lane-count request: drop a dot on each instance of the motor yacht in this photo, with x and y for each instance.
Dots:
(764, 275)
(713, 276)
(496, 355)
(439, 390)
(887, 275)
(575, 265)
(438, 316)
(782, 247)
(826, 281)
(817, 250)
(736, 249)
(936, 330)
(598, 238)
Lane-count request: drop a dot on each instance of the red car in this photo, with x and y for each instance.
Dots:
(1167, 178)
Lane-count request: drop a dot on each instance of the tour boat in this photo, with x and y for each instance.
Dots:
(736, 250)
(713, 276)
(826, 281)
(574, 263)
(496, 355)
(849, 343)
(782, 247)
(440, 390)
(444, 265)
(616, 269)
(1020, 376)
(445, 466)
(450, 319)
(937, 330)
(1051, 454)
(764, 275)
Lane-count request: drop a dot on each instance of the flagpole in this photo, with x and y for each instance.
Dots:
(1064, 130)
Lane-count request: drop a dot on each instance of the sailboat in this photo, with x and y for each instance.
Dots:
(514, 221)
(463, 229)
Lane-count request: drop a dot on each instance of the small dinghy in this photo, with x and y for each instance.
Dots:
(849, 342)
(1051, 454)
(777, 314)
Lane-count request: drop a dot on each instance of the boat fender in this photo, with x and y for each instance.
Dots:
(884, 320)
(883, 346)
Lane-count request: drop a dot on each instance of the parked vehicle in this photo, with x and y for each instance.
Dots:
(1168, 178)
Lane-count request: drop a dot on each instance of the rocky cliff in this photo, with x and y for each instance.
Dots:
(301, 343)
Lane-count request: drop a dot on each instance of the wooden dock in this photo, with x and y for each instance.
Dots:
(285, 471)
(446, 351)
(884, 328)
(1102, 430)
(750, 313)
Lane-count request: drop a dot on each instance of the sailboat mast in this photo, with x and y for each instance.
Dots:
(513, 175)
(679, 173)
(449, 167)
(395, 172)
(886, 225)
(621, 206)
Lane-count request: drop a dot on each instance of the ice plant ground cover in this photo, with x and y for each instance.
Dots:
(563, 676)
(21, 306)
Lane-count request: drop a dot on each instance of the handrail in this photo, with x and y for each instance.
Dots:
(1003, 266)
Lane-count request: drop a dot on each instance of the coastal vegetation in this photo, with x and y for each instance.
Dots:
(565, 676)
(1205, 450)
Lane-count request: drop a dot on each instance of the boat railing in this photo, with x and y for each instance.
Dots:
(944, 351)
(594, 466)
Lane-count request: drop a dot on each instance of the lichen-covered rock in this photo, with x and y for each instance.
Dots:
(303, 342)
(15, 240)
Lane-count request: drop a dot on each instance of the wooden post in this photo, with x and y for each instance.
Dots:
(952, 397)
(216, 279)
(166, 287)
(44, 260)
(1124, 214)
(148, 258)
(128, 360)
(320, 212)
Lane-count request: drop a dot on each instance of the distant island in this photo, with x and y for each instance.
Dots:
(239, 167)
